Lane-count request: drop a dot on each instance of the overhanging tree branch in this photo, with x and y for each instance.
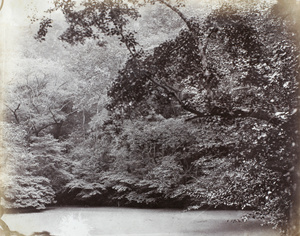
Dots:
(194, 30)
(38, 130)
(218, 111)
(179, 13)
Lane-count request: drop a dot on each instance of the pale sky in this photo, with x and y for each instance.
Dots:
(14, 19)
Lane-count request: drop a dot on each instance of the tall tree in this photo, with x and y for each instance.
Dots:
(238, 67)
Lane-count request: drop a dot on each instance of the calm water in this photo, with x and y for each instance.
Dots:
(102, 221)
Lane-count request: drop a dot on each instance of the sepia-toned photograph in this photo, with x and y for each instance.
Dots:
(149, 117)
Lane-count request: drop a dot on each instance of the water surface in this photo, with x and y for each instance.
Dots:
(108, 221)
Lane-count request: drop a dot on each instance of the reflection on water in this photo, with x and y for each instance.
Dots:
(94, 221)
(74, 224)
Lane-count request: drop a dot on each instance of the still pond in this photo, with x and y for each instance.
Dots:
(102, 221)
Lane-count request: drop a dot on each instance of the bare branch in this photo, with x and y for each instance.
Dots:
(179, 13)
(15, 112)
(37, 131)
(53, 116)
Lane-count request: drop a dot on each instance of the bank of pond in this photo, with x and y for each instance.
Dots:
(101, 221)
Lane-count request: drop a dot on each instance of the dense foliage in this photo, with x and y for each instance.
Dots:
(206, 118)
(21, 185)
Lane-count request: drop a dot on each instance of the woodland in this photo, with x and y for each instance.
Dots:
(156, 104)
